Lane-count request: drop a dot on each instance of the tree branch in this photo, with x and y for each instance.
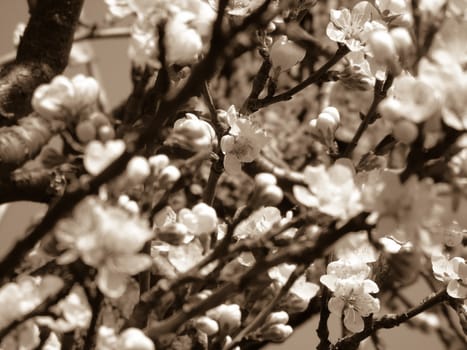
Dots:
(390, 321)
(42, 53)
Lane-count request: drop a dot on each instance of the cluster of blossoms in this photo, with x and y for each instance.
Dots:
(75, 102)
(186, 25)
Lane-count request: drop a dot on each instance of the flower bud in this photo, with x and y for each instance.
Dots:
(134, 339)
(99, 119)
(403, 44)
(206, 217)
(277, 333)
(85, 131)
(106, 133)
(405, 131)
(158, 162)
(183, 43)
(132, 207)
(265, 179)
(333, 112)
(207, 325)
(169, 175)
(270, 195)
(276, 317)
(138, 169)
(86, 92)
(382, 46)
(229, 317)
(285, 53)
(390, 108)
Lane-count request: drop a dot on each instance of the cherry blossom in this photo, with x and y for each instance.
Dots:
(64, 97)
(332, 191)
(351, 27)
(243, 142)
(453, 272)
(107, 238)
(352, 289)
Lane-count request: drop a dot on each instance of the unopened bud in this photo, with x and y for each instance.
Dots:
(403, 44)
(169, 175)
(138, 169)
(390, 108)
(277, 333)
(285, 53)
(207, 325)
(106, 133)
(134, 339)
(229, 317)
(85, 131)
(276, 317)
(270, 195)
(206, 217)
(265, 179)
(158, 162)
(405, 131)
(333, 112)
(382, 46)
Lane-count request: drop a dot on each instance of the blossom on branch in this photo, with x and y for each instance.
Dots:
(352, 289)
(453, 272)
(107, 238)
(332, 191)
(243, 142)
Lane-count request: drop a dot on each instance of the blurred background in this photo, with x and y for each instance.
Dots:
(114, 71)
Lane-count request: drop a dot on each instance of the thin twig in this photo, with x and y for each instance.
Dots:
(390, 321)
(312, 79)
(380, 92)
(261, 317)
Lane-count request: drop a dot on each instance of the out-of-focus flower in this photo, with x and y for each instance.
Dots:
(453, 272)
(65, 98)
(107, 238)
(351, 27)
(450, 84)
(98, 155)
(399, 209)
(412, 99)
(351, 287)
(333, 190)
(300, 293)
(21, 297)
(242, 144)
(193, 133)
(75, 311)
(23, 337)
(188, 27)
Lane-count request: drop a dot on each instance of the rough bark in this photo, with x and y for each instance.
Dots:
(42, 53)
